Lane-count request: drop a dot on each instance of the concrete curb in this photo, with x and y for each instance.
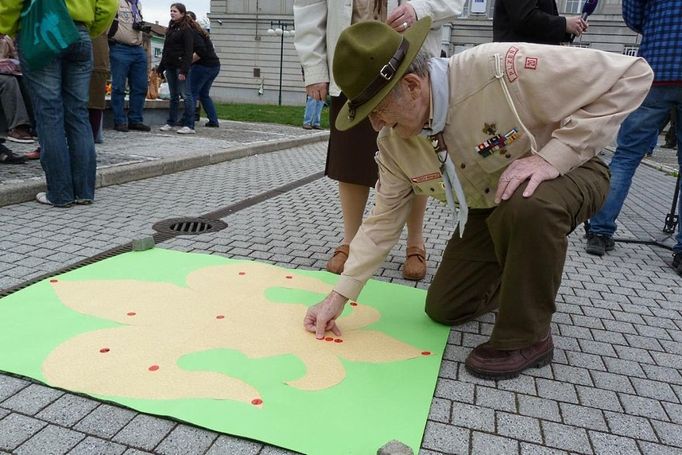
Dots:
(652, 163)
(15, 193)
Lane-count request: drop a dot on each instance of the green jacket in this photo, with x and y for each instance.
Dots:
(96, 14)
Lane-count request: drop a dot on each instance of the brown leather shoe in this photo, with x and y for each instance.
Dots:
(488, 363)
(415, 264)
(338, 259)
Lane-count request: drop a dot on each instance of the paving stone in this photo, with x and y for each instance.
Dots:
(440, 410)
(135, 452)
(608, 444)
(186, 440)
(539, 407)
(674, 412)
(144, 432)
(566, 437)
(67, 410)
(448, 370)
(556, 390)
(571, 375)
(582, 360)
(521, 384)
(473, 417)
(454, 390)
(493, 445)
(32, 399)
(92, 445)
(3, 413)
(496, 399)
(10, 385)
(654, 389)
(649, 448)
(610, 381)
(634, 354)
(582, 416)
(16, 428)
(532, 449)
(645, 407)
(631, 426)
(105, 421)
(51, 440)
(445, 438)
(669, 433)
(233, 446)
(519, 427)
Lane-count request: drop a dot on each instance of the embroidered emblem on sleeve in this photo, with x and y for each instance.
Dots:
(510, 64)
(531, 63)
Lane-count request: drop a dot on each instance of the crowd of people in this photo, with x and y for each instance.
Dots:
(60, 101)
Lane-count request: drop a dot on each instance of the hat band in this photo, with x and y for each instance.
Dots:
(385, 75)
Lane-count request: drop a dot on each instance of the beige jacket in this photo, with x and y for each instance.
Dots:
(320, 22)
(565, 103)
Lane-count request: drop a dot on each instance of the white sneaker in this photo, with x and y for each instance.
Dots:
(42, 198)
(166, 127)
(186, 130)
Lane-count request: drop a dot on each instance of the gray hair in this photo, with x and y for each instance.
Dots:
(419, 66)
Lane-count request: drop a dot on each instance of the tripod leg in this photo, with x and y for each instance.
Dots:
(672, 218)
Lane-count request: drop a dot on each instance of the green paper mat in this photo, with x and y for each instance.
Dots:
(374, 403)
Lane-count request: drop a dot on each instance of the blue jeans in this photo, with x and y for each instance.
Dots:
(313, 111)
(59, 92)
(128, 62)
(177, 88)
(200, 80)
(634, 139)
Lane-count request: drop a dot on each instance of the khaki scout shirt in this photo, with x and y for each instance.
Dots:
(507, 100)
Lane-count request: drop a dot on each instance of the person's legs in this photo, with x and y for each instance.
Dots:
(672, 135)
(120, 63)
(187, 102)
(318, 113)
(633, 141)
(309, 113)
(415, 261)
(172, 79)
(353, 201)
(677, 249)
(204, 94)
(138, 84)
(13, 103)
(76, 71)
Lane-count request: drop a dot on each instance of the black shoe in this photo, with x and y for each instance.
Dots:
(668, 146)
(599, 244)
(121, 128)
(139, 127)
(677, 262)
(212, 125)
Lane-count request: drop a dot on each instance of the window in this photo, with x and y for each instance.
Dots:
(573, 6)
(631, 50)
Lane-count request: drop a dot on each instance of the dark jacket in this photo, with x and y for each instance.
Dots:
(531, 21)
(177, 49)
(203, 47)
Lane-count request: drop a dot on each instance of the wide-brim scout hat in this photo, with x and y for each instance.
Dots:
(370, 58)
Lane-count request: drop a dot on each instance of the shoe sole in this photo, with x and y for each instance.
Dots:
(540, 362)
(595, 252)
(21, 141)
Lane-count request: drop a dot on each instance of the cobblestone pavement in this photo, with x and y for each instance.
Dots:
(614, 388)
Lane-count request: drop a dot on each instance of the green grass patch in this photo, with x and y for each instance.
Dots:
(267, 113)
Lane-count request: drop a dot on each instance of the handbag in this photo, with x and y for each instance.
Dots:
(45, 30)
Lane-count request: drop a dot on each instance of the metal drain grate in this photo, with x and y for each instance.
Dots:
(189, 226)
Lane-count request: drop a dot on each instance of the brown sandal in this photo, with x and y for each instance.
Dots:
(338, 259)
(415, 264)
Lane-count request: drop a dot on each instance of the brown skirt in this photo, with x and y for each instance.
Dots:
(350, 155)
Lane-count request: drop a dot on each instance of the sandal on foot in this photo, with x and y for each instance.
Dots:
(415, 264)
(338, 259)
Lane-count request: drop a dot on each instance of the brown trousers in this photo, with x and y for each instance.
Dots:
(512, 257)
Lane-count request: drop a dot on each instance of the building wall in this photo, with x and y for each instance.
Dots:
(251, 60)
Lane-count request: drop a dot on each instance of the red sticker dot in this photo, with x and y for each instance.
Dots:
(220, 316)
(338, 340)
(329, 339)
(242, 273)
(256, 401)
(153, 368)
(289, 277)
(131, 313)
(354, 304)
(104, 350)
(426, 353)
(54, 281)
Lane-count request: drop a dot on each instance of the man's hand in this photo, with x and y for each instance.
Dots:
(181, 77)
(317, 91)
(321, 318)
(533, 167)
(402, 17)
(575, 25)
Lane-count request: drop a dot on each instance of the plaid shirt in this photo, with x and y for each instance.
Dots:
(660, 23)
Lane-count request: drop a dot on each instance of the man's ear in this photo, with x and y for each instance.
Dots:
(413, 84)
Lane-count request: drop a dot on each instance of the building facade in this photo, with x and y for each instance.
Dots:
(254, 40)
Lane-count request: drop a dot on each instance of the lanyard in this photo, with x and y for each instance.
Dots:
(453, 187)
